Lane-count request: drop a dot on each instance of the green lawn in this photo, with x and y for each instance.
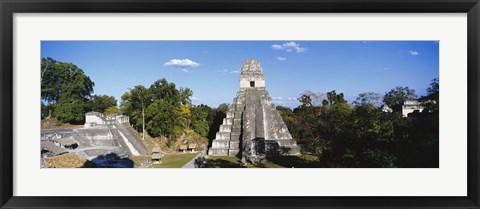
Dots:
(303, 161)
(175, 160)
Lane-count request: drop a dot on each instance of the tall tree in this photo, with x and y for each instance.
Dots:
(434, 87)
(66, 89)
(50, 83)
(185, 94)
(137, 100)
(202, 118)
(397, 96)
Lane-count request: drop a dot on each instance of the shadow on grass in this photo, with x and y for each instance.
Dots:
(111, 160)
(303, 161)
(223, 163)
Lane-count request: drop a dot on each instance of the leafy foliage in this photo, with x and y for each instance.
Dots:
(341, 135)
(397, 96)
(160, 110)
(100, 103)
(112, 111)
(66, 89)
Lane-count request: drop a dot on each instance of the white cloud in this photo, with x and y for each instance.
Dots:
(281, 59)
(291, 98)
(278, 102)
(276, 98)
(414, 53)
(276, 46)
(181, 63)
(186, 71)
(195, 98)
(234, 72)
(386, 68)
(289, 47)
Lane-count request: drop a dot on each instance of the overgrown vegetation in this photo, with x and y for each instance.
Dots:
(66, 93)
(362, 135)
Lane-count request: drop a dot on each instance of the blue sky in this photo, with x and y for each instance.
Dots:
(211, 68)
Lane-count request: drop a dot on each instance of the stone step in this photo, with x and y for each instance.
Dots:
(227, 121)
(220, 144)
(218, 152)
(286, 142)
(236, 129)
(222, 136)
(233, 152)
(235, 137)
(226, 128)
(234, 144)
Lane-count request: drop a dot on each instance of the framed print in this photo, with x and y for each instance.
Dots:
(265, 104)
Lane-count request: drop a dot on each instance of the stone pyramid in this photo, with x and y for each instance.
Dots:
(253, 129)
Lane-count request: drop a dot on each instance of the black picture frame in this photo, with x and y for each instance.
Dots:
(9, 7)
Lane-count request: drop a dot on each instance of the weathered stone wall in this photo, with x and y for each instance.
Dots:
(412, 105)
(101, 135)
(251, 72)
(93, 119)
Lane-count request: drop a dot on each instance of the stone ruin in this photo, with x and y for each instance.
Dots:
(253, 129)
(101, 137)
(93, 119)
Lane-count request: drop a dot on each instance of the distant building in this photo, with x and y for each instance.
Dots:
(93, 119)
(385, 108)
(192, 147)
(414, 105)
(183, 148)
(156, 155)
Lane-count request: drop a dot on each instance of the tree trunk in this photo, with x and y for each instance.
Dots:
(143, 123)
(49, 110)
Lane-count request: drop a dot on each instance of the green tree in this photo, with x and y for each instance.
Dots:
(50, 83)
(434, 87)
(134, 104)
(66, 89)
(397, 96)
(334, 98)
(163, 90)
(70, 109)
(185, 94)
(100, 103)
(201, 119)
(112, 111)
(161, 118)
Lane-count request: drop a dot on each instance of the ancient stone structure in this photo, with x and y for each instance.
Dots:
(93, 119)
(411, 106)
(101, 136)
(253, 128)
